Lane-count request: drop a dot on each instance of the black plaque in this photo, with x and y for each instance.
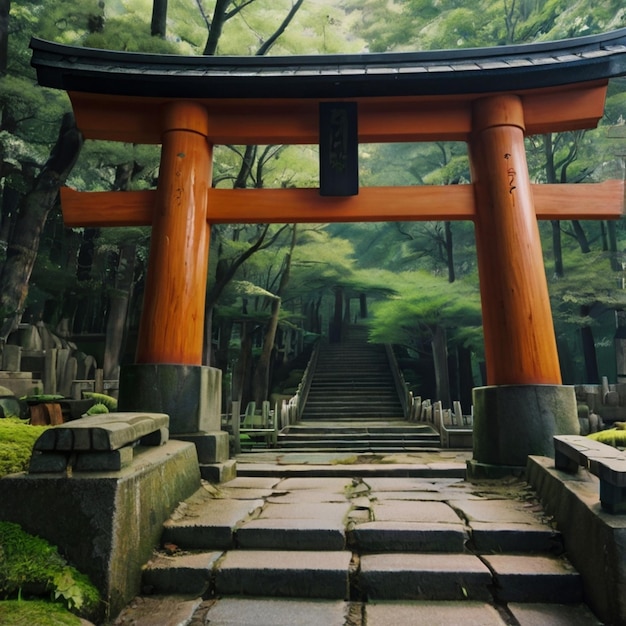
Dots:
(339, 145)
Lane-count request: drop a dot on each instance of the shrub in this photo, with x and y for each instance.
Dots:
(101, 398)
(615, 437)
(97, 409)
(31, 566)
(16, 444)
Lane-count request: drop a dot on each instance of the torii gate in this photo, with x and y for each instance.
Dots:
(490, 98)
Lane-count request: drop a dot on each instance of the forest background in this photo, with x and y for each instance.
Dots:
(274, 289)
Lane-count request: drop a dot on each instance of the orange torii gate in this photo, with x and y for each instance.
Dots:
(490, 98)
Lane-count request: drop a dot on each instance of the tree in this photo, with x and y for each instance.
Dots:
(32, 214)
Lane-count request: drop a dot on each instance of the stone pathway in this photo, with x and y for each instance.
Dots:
(300, 549)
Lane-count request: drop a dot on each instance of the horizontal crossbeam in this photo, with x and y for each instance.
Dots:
(373, 204)
(294, 121)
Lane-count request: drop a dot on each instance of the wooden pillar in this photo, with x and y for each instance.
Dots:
(172, 322)
(520, 344)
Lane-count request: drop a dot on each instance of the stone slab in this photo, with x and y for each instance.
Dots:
(277, 612)
(252, 482)
(490, 537)
(211, 447)
(329, 511)
(387, 484)
(117, 515)
(401, 511)
(531, 614)
(535, 578)
(425, 577)
(219, 472)
(595, 541)
(408, 537)
(105, 432)
(417, 613)
(112, 461)
(499, 510)
(48, 462)
(292, 534)
(331, 484)
(186, 574)
(205, 523)
(281, 573)
(161, 610)
(302, 495)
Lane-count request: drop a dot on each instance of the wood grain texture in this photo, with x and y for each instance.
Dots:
(520, 344)
(172, 323)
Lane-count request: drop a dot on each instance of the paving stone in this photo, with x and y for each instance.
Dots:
(252, 482)
(318, 510)
(401, 511)
(383, 536)
(424, 577)
(292, 534)
(186, 574)
(208, 523)
(386, 485)
(305, 495)
(161, 610)
(496, 510)
(244, 494)
(535, 578)
(553, 614)
(277, 612)
(332, 484)
(283, 573)
(433, 614)
(509, 537)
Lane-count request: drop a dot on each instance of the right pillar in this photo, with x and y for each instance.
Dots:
(524, 403)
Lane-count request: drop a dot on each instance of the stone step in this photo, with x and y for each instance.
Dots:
(341, 575)
(358, 445)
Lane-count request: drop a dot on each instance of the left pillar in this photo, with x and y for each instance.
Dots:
(168, 375)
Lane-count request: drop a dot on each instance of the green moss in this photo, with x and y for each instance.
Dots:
(30, 566)
(97, 409)
(109, 401)
(39, 612)
(613, 437)
(16, 444)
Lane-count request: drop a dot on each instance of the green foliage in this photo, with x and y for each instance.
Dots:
(16, 444)
(31, 565)
(109, 402)
(97, 409)
(36, 612)
(615, 437)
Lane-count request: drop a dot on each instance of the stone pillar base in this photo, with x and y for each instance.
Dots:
(512, 422)
(191, 395)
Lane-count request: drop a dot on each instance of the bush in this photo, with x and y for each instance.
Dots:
(615, 437)
(30, 566)
(101, 398)
(97, 409)
(16, 444)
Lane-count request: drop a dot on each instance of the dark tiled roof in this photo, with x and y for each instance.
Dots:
(443, 72)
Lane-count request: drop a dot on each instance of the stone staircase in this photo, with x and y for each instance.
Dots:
(350, 552)
(353, 404)
(352, 380)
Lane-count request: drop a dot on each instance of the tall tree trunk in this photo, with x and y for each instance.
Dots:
(449, 252)
(217, 24)
(119, 298)
(611, 228)
(439, 344)
(581, 237)
(262, 372)
(589, 351)
(5, 10)
(158, 27)
(33, 212)
(466, 377)
(557, 248)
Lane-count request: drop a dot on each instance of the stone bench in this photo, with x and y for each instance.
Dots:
(604, 461)
(97, 443)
